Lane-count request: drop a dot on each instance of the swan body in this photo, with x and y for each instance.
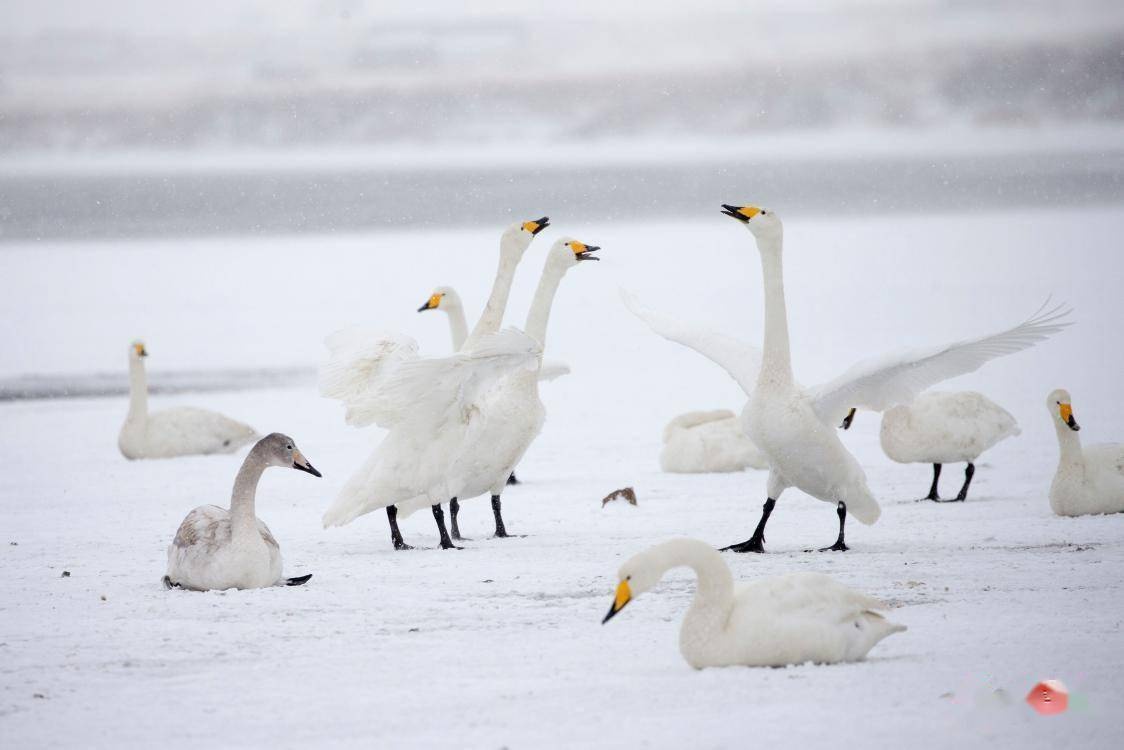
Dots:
(699, 442)
(219, 548)
(1089, 480)
(770, 622)
(446, 299)
(182, 431)
(945, 428)
(795, 426)
(510, 415)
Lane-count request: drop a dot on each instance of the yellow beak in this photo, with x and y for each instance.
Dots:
(623, 597)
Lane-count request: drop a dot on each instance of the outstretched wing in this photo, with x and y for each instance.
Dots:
(434, 390)
(740, 360)
(552, 368)
(359, 362)
(880, 383)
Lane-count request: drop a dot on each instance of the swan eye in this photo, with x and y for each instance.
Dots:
(288, 447)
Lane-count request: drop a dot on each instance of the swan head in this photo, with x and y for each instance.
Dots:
(280, 450)
(517, 238)
(567, 252)
(137, 350)
(1061, 408)
(443, 298)
(762, 222)
(638, 574)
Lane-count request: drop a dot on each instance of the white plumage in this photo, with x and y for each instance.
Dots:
(1089, 480)
(770, 622)
(182, 431)
(220, 548)
(708, 441)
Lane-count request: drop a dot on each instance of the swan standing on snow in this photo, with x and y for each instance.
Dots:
(700, 442)
(216, 548)
(795, 427)
(360, 364)
(772, 622)
(943, 428)
(183, 431)
(1088, 480)
(510, 415)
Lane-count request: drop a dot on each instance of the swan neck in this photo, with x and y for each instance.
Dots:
(1069, 444)
(458, 328)
(138, 390)
(539, 315)
(492, 317)
(777, 358)
(243, 517)
(714, 592)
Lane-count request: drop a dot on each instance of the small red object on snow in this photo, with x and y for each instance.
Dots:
(1048, 697)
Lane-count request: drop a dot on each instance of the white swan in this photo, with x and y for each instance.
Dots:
(446, 299)
(1088, 480)
(427, 405)
(943, 428)
(183, 431)
(362, 361)
(217, 548)
(795, 427)
(510, 415)
(771, 622)
(708, 441)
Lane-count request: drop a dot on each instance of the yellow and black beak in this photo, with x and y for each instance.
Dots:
(432, 303)
(848, 419)
(1066, 412)
(536, 226)
(623, 597)
(301, 463)
(140, 350)
(582, 251)
(741, 213)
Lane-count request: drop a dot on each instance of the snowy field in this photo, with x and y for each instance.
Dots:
(500, 644)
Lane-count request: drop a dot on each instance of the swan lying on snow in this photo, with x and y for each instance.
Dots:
(943, 428)
(1088, 480)
(700, 442)
(508, 417)
(362, 362)
(183, 431)
(795, 427)
(771, 622)
(216, 548)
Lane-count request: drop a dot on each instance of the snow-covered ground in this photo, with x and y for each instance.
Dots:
(501, 644)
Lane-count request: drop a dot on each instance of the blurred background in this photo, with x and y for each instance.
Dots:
(130, 118)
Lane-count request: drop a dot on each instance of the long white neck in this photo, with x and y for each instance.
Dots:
(1069, 445)
(539, 314)
(138, 391)
(776, 363)
(458, 328)
(714, 593)
(243, 519)
(492, 317)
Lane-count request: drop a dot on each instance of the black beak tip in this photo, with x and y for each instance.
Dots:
(1073, 424)
(543, 223)
(424, 307)
(732, 212)
(310, 469)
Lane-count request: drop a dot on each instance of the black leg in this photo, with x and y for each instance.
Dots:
(839, 545)
(439, 517)
(513, 479)
(755, 543)
(933, 490)
(454, 509)
(501, 532)
(395, 534)
(969, 472)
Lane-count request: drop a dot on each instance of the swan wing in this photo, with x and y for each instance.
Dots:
(740, 360)
(360, 360)
(805, 594)
(435, 390)
(882, 382)
(552, 368)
